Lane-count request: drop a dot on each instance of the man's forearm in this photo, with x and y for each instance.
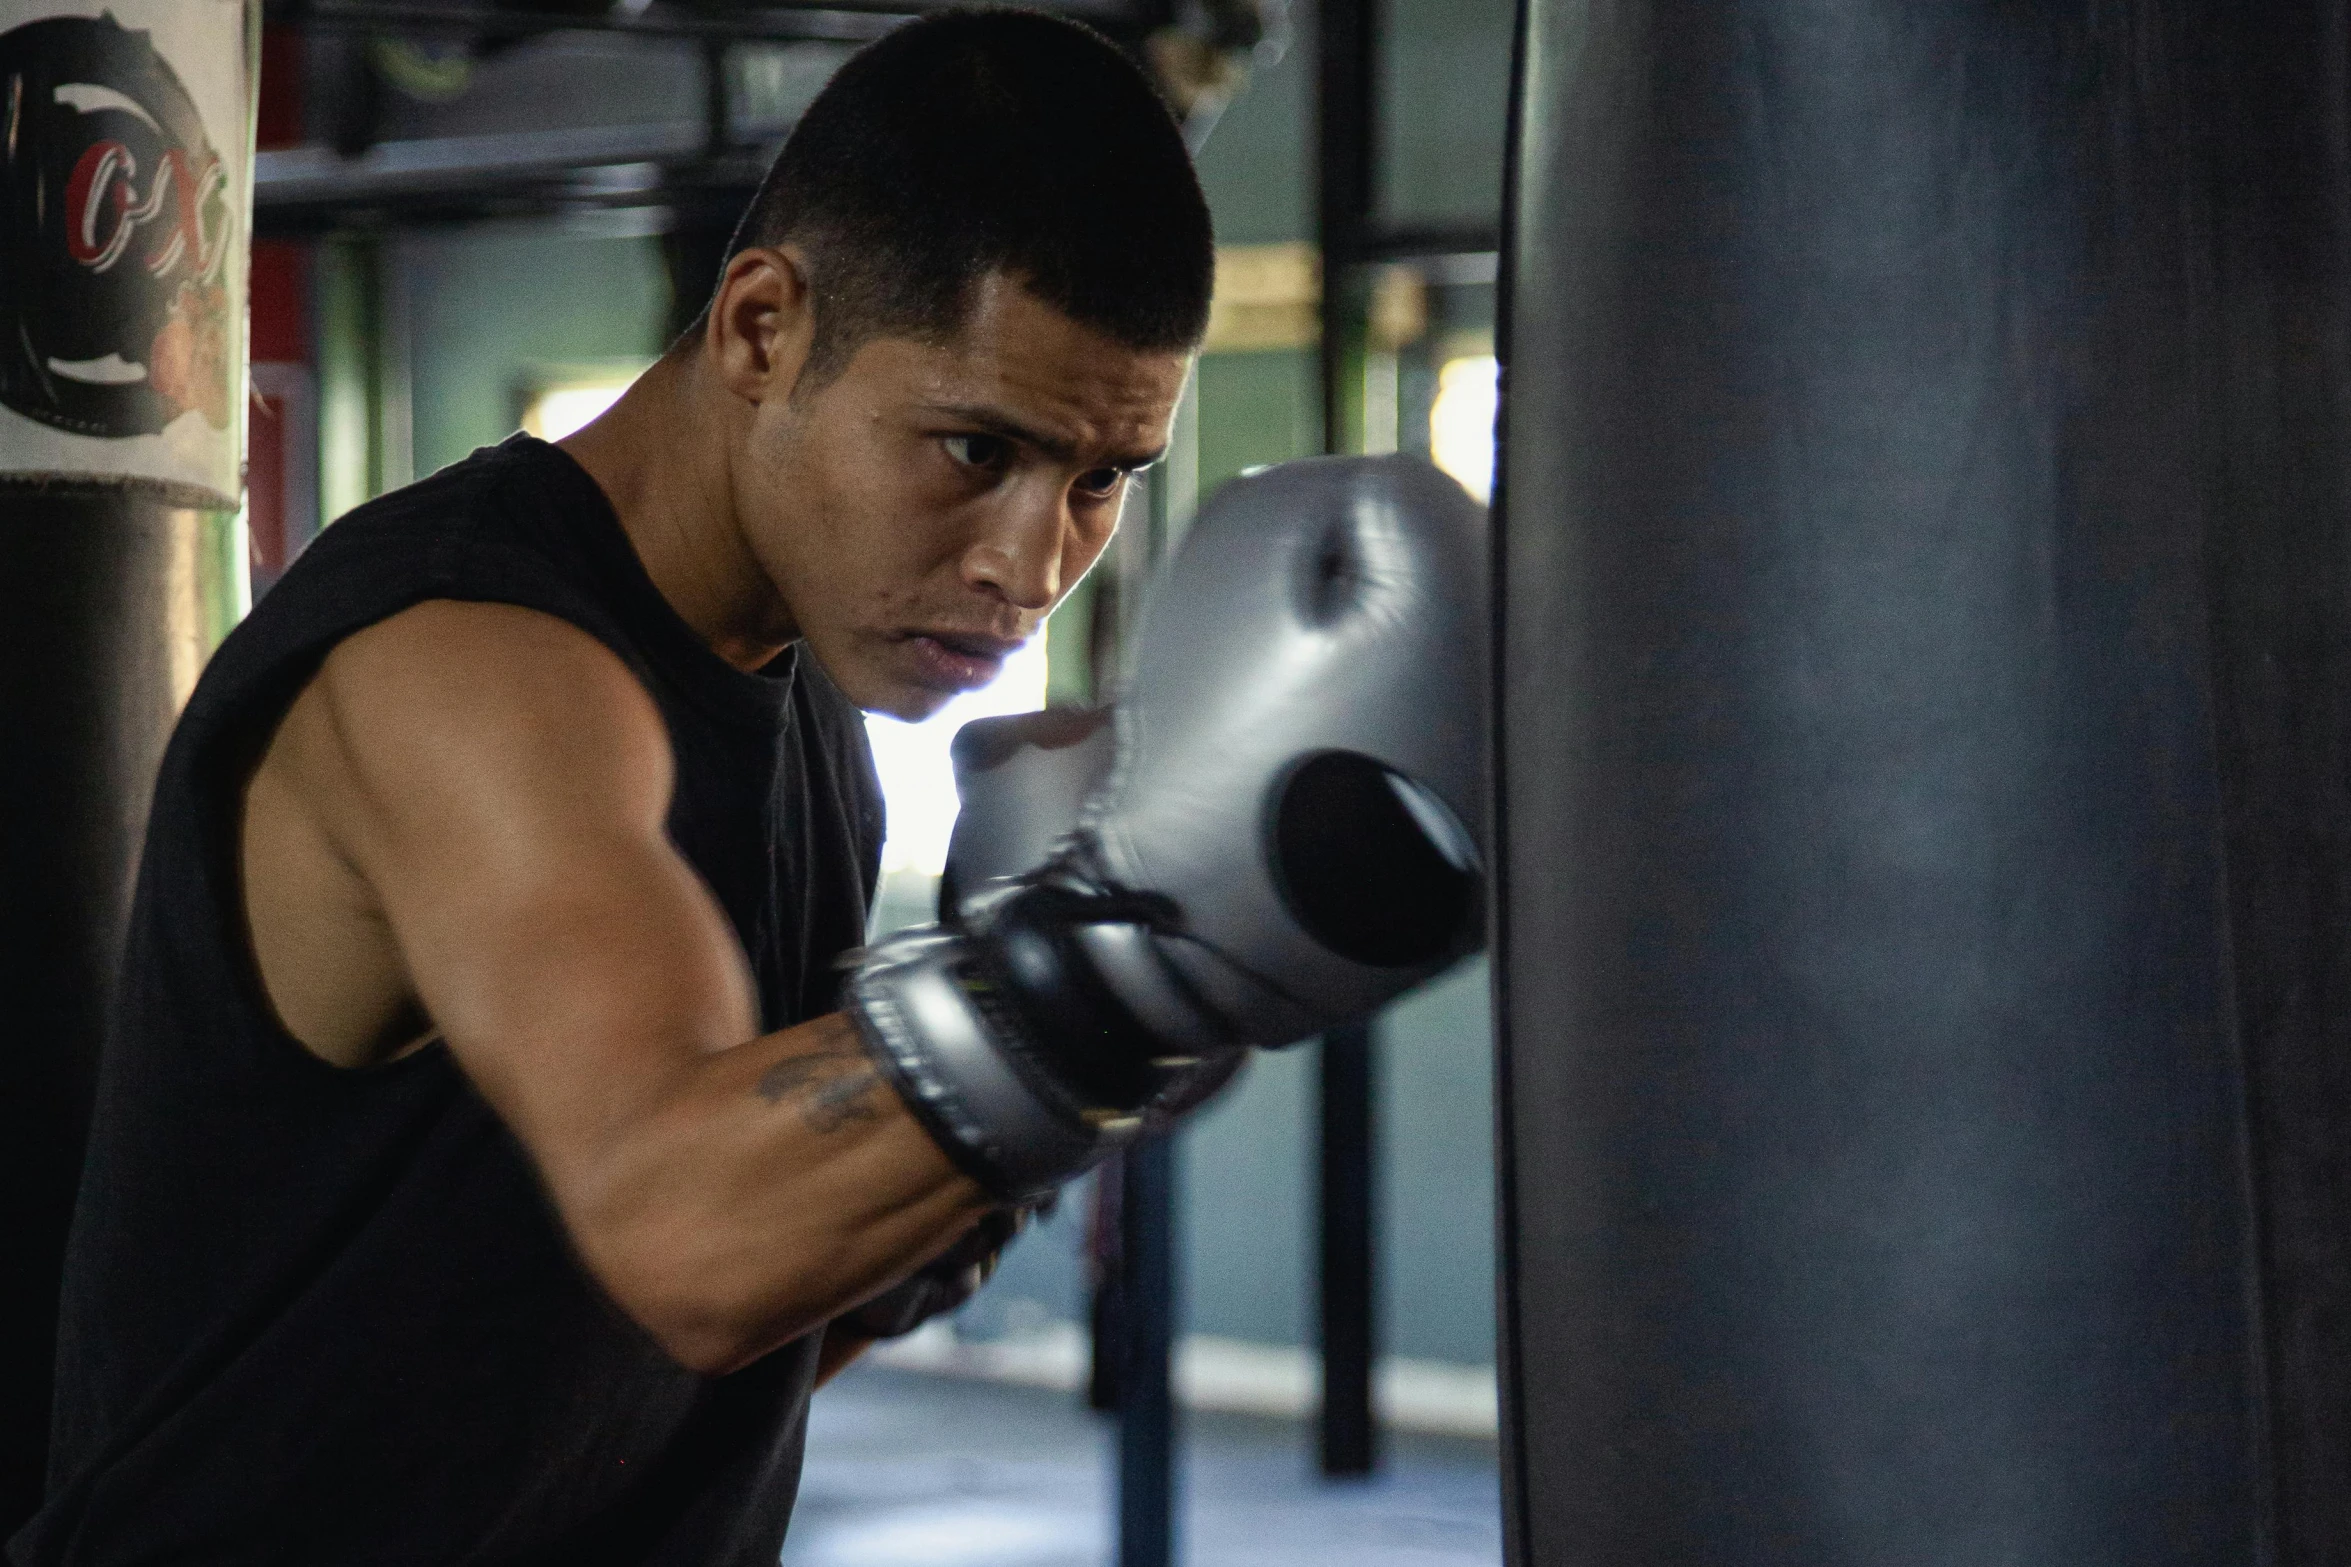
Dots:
(776, 1185)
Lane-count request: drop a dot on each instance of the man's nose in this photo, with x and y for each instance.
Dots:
(1019, 558)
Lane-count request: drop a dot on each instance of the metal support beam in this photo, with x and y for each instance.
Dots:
(1146, 1398)
(303, 192)
(1345, 72)
(1346, 66)
(1346, 1301)
(781, 24)
(697, 170)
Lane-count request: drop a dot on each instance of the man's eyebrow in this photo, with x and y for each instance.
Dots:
(994, 421)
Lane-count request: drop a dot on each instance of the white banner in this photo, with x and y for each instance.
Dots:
(126, 195)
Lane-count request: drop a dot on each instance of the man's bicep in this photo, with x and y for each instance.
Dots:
(508, 784)
(574, 991)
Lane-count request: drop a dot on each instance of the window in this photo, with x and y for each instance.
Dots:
(1461, 422)
(558, 399)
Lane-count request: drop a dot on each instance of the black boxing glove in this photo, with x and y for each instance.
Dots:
(940, 1285)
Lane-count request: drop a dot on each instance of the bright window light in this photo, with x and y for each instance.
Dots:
(918, 782)
(559, 410)
(1461, 422)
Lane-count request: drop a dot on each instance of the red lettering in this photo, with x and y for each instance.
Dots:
(190, 240)
(104, 210)
(185, 236)
(101, 178)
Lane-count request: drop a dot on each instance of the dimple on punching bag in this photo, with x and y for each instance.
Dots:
(1924, 754)
(126, 131)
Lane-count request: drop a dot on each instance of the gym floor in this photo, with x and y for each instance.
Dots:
(911, 1470)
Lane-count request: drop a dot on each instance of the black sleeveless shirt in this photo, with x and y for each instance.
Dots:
(323, 1316)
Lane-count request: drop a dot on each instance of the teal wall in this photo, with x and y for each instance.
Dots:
(1444, 109)
(1256, 409)
(484, 306)
(1248, 1170)
(1258, 166)
(1436, 1194)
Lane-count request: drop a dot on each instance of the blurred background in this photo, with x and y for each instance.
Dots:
(474, 219)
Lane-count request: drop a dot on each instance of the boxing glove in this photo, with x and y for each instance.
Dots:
(1283, 836)
(940, 1285)
(1022, 780)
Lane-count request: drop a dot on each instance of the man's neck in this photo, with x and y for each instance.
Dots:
(660, 456)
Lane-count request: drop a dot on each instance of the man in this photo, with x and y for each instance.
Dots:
(479, 1160)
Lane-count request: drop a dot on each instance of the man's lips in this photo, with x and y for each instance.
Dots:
(960, 660)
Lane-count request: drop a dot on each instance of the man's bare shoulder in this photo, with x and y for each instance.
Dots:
(481, 700)
(450, 747)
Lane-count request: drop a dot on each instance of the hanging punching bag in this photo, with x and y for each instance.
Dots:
(126, 136)
(1924, 744)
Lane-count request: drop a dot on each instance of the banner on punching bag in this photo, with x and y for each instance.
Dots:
(125, 205)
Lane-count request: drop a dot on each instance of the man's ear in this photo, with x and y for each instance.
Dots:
(762, 323)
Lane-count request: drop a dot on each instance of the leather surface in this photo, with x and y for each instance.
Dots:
(1922, 867)
(1335, 604)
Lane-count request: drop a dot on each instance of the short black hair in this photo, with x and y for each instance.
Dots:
(976, 142)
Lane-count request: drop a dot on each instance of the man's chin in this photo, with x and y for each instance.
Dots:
(885, 679)
(872, 687)
(876, 692)
(911, 704)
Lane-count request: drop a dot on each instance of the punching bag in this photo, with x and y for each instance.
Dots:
(125, 151)
(1924, 755)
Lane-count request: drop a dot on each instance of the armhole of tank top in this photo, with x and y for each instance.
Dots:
(222, 767)
(220, 860)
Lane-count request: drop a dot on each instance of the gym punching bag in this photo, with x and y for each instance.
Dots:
(125, 151)
(1924, 750)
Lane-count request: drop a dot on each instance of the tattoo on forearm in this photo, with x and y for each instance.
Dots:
(832, 1087)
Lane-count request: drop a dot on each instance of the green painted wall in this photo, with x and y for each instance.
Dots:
(1258, 165)
(484, 306)
(1256, 409)
(1444, 102)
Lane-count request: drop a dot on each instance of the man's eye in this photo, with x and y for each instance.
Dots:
(1100, 482)
(978, 451)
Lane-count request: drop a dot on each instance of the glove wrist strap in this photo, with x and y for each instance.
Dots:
(922, 1004)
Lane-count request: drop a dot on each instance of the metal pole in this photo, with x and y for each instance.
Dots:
(1346, 71)
(1138, 1302)
(1146, 1403)
(1349, 1436)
